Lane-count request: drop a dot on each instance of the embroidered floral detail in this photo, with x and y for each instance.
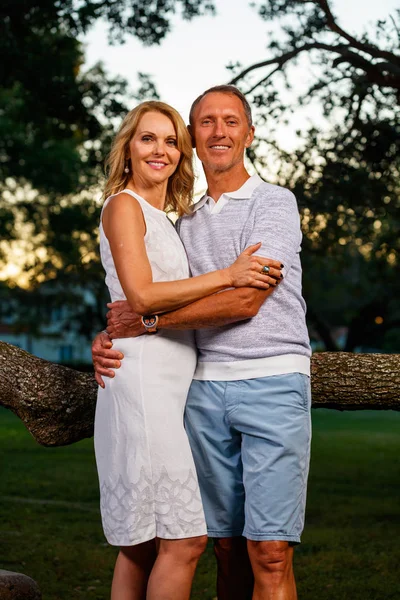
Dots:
(178, 503)
(127, 509)
(172, 506)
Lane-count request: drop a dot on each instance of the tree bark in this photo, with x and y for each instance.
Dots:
(57, 404)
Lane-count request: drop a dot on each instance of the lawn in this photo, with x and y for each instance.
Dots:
(50, 525)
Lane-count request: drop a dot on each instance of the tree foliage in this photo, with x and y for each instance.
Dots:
(56, 123)
(345, 170)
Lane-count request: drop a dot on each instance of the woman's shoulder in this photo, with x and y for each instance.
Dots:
(122, 201)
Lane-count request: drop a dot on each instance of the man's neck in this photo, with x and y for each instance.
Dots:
(221, 182)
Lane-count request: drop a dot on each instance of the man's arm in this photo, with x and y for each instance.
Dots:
(104, 358)
(213, 311)
(217, 310)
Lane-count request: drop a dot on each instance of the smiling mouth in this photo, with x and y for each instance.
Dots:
(154, 164)
(219, 147)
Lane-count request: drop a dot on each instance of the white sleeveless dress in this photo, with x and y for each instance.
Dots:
(148, 482)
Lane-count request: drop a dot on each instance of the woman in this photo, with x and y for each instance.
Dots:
(150, 500)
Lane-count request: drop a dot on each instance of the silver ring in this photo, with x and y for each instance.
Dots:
(265, 270)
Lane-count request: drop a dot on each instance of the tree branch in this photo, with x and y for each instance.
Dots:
(368, 48)
(373, 71)
(57, 404)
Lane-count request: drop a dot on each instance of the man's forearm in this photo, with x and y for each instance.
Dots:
(217, 310)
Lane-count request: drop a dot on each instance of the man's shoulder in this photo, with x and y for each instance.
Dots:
(184, 220)
(269, 190)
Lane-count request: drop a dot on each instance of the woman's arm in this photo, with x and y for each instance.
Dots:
(124, 226)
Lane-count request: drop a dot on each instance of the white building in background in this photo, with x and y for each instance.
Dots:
(57, 347)
(55, 335)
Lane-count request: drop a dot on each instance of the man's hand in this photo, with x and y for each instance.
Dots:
(122, 322)
(104, 358)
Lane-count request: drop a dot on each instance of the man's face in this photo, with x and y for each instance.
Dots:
(221, 132)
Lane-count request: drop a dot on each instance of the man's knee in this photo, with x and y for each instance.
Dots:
(226, 547)
(272, 557)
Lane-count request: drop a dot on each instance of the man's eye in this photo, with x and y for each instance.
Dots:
(206, 122)
(232, 122)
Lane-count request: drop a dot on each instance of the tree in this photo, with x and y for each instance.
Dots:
(57, 121)
(346, 171)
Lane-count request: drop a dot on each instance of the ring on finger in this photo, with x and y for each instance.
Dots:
(265, 270)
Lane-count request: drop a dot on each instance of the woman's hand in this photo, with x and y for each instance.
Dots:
(248, 270)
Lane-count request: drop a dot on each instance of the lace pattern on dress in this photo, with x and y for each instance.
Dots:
(172, 507)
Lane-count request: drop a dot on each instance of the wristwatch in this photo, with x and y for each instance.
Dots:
(150, 322)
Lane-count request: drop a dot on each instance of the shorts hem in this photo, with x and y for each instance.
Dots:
(213, 533)
(273, 537)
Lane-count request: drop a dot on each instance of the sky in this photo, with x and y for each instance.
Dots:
(195, 54)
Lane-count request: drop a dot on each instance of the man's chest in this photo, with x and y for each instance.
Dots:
(214, 241)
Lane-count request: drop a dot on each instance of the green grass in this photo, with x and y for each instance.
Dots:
(50, 524)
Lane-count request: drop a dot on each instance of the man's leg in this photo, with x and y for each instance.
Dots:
(274, 419)
(216, 448)
(272, 563)
(235, 579)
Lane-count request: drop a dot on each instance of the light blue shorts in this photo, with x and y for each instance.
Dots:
(251, 445)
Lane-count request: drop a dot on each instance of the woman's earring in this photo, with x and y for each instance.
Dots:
(126, 170)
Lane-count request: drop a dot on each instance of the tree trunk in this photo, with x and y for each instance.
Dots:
(57, 404)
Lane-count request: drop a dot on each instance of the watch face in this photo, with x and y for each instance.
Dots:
(149, 321)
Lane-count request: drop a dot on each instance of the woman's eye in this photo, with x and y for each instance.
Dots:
(146, 138)
(172, 143)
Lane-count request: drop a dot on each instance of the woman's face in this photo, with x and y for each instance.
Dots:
(153, 149)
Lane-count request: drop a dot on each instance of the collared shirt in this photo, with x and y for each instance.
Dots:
(242, 193)
(275, 341)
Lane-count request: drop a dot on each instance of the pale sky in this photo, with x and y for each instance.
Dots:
(194, 55)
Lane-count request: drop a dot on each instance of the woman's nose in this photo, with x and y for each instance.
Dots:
(159, 148)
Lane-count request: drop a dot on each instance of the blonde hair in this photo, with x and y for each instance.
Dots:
(180, 184)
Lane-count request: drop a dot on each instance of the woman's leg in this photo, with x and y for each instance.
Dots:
(132, 571)
(173, 571)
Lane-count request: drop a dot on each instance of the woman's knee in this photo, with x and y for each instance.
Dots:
(186, 550)
(197, 545)
(141, 555)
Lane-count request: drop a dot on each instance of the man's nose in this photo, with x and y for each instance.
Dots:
(220, 128)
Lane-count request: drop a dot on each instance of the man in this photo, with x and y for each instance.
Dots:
(248, 409)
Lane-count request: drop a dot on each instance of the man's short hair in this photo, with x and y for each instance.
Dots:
(224, 89)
